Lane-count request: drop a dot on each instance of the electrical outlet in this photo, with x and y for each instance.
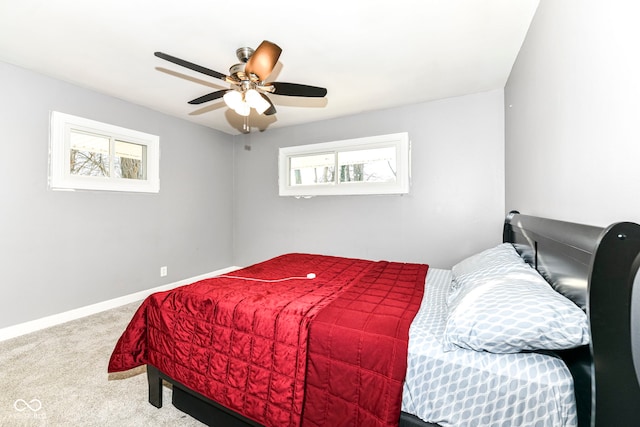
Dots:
(163, 271)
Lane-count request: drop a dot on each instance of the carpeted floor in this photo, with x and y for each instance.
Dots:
(58, 377)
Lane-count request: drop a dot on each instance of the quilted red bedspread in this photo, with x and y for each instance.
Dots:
(258, 347)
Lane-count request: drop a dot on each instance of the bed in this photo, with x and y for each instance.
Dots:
(368, 343)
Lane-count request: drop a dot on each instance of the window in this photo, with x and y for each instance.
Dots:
(89, 155)
(371, 165)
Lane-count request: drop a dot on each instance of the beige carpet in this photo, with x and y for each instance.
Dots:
(58, 377)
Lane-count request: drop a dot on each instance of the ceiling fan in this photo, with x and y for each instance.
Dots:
(248, 80)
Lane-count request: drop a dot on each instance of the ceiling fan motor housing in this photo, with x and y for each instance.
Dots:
(237, 71)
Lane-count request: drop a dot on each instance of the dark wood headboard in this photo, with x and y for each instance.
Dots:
(596, 268)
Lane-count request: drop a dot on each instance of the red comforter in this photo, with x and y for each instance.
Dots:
(259, 347)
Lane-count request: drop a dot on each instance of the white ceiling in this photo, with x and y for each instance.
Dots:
(369, 54)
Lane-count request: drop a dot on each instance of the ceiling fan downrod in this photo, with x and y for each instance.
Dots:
(244, 53)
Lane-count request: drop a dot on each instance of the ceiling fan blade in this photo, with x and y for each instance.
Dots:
(209, 97)
(271, 110)
(191, 65)
(295, 89)
(263, 60)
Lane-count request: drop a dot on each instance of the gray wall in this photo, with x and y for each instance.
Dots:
(455, 207)
(64, 250)
(572, 114)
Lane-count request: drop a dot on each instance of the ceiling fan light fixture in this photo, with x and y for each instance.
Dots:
(256, 101)
(233, 99)
(243, 109)
(262, 107)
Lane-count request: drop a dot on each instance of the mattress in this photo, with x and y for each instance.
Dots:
(470, 388)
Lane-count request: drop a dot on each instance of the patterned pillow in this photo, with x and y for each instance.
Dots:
(504, 251)
(495, 261)
(512, 312)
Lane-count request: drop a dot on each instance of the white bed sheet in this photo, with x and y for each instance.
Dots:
(463, 388)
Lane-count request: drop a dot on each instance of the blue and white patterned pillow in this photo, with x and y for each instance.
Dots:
(495, 261)
(504, 253)
(511, 309)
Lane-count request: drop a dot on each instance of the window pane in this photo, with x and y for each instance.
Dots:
(370, 165)
(129, 160)
(313, 169)
(89, 154)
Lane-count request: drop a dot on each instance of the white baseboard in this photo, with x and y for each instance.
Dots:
(56, 319)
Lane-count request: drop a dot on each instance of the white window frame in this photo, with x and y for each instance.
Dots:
(403, 167)
(60, 177)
